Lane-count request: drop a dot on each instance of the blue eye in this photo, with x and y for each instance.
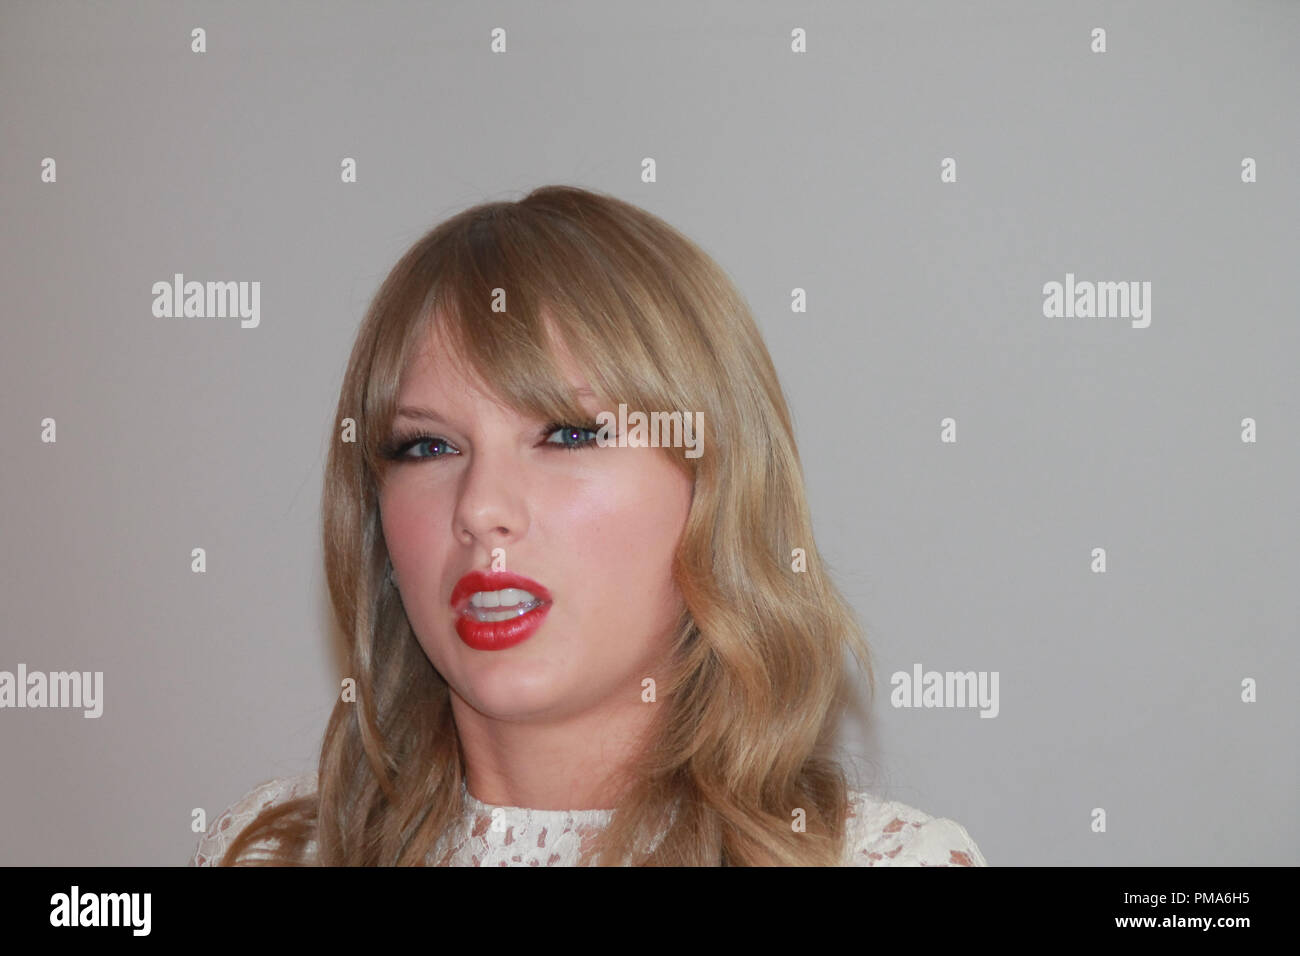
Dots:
(396, 450)
(556, 435)
(571, 436)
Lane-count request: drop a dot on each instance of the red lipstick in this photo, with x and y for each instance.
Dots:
(521, 620)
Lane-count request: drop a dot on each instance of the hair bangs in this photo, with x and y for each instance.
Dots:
(518, 305)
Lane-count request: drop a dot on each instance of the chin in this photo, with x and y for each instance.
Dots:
(507, 689)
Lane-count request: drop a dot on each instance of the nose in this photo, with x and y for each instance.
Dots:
(490, 508)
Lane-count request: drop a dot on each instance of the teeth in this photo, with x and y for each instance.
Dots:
(506, 597)
(483, 614)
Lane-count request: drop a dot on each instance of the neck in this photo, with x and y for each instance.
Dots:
(568, 762)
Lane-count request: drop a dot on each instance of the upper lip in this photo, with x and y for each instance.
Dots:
(493, 581)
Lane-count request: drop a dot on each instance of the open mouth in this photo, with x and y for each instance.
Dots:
(498, 609)
(504, 605)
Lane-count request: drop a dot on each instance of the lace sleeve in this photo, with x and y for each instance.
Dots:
(212, 847)
(886, 833)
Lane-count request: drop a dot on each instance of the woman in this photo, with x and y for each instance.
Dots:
(574, 638)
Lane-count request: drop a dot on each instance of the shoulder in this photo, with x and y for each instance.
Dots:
(212, 847)
(888, 833)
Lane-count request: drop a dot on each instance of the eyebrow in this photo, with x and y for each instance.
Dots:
(428, 414)
(412, 411)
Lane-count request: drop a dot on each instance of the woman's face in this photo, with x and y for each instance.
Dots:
(596, 528)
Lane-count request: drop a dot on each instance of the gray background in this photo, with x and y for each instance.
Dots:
(821, 170)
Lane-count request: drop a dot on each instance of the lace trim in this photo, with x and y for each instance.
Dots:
(880, 832)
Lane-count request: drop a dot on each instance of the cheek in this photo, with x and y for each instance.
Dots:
(408, 522)
(619, 531)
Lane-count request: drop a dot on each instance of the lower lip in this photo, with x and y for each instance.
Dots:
(498, 635)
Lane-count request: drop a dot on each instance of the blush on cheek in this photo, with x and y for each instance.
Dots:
(638, 545)
(411, 535)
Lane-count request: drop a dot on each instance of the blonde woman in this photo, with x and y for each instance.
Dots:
(559, 523)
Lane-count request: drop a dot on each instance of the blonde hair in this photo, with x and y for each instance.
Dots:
(742, 735)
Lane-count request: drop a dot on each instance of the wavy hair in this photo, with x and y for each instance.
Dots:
(741, 738)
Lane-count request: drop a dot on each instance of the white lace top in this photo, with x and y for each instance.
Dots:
(881, 833)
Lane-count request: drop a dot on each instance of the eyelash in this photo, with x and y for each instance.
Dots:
(402, 442)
